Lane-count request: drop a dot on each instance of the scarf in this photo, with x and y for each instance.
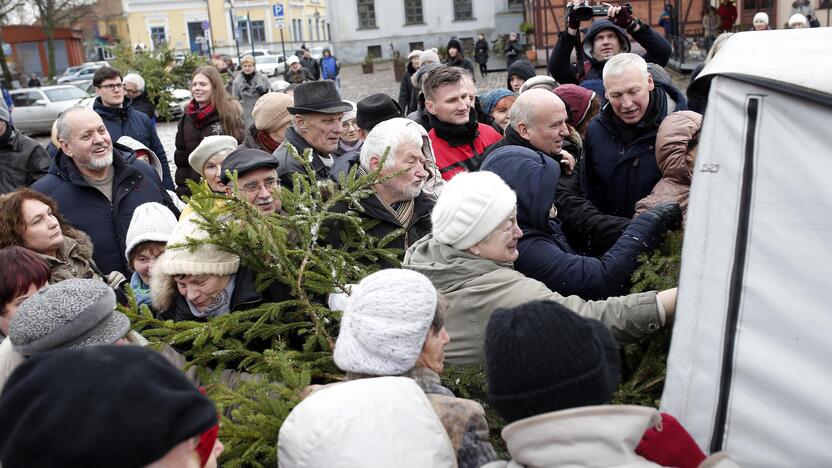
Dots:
(248, 78)
(649, 123)
(141, 289)
(265, 140)
(221, 304)
(343, 147)
(456, 135)
(402, 212)
(197, 114)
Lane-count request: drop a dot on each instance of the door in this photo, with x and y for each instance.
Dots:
(196, 37)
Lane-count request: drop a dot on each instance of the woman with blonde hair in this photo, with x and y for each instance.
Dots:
(211, 112)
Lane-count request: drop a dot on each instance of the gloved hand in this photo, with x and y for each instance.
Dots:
(115, 280)
(572, 22)
(622, 18)
(670, 444)
(669, 213)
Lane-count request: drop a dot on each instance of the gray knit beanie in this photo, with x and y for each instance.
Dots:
(75, 313)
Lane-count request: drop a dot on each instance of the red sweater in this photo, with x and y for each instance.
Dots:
(465, 158)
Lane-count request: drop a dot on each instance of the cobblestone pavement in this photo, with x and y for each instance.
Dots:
(356, 85)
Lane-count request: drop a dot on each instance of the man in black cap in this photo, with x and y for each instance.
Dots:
(374, 109)
(316, 124)
(102, 406)
(256, 177)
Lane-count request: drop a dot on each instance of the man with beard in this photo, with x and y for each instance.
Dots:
(459, 141)
(404, 201)
(256, 178)
(98, 185)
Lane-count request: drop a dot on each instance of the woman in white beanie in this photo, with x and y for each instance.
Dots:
(204, 282)
(149, 231)
(797, 21)
(760, 22)
(351, 140)
(271, 119)
(394, 324)
(469, 258)
(207, 158)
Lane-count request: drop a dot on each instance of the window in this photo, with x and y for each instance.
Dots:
(242, 25)
(413, 12)
(515, 5)
(374, 51)
(463, 10)
(309, 23)
(467, 44)
(65, 94)
(757, 5)
(258, 31)
(157, 36)
(366, 14)
(416, 46)
(25, 99)
(297, 30)
(113, 31)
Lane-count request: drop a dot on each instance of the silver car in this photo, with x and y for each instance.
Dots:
(35, 109)
(85, 73)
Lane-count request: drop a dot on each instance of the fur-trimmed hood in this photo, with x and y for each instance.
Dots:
(74, 257)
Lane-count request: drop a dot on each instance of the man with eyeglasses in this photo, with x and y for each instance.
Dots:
(122, 119)
(256, 177)
(134, 88)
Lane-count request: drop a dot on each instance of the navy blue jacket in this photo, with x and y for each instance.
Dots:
(545, 254)
(83, 206)
(617, 175)
(561, 68)
(125, 120)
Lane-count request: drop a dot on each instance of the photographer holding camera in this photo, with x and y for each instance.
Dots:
(604, 39)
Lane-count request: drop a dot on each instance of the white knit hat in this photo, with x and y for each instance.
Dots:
(208, 147)
(152, 222)
(204, 260)
(472, 205)
(429, 55)
(386, 322)
(350, 114)
(414, 53)
(761, 17)
(798, 18)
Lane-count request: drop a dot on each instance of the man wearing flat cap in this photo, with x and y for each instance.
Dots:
(256, 177)
(316, 124)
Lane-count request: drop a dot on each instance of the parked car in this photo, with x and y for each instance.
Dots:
(85, 73)
(36, 108)
(271, 65)
(77, 68)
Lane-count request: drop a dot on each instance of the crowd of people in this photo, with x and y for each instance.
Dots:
(519, 215)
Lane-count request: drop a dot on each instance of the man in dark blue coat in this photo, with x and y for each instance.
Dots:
(619, 150)
(98, 185)
(546, 255)
(605, 38)
(121, 119)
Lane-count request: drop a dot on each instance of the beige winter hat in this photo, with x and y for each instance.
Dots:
(270, 111)
(204, 260)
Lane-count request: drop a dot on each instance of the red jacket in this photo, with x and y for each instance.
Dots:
(465, 158)
(727, 16)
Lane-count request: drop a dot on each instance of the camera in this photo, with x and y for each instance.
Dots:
(586, 12)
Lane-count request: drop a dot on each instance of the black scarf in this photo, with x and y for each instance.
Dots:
(248, 77)
(456, 135)
(648, 124)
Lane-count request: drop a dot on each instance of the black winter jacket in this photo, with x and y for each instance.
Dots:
(588, 229)
(288, 164)
(617, 174)
(657, 47)
(143, 105)
(22, 161)
(83, 206)
(125, 120)
(406, 90)
(481, 51)
(545, 254)
(313, 66)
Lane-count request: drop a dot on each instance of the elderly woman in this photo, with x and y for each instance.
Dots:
(22, 274)
(30, 219)
(350, 134)
(271, 119)
(76, 313)
(248, 87)
(207, 161)
(394, 325)
(469, 258)
(197, 284)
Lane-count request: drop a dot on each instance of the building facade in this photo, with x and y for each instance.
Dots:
(378, 28)
(29, 54)
(213, 25)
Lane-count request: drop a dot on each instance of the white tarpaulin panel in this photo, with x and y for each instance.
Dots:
(779, 409)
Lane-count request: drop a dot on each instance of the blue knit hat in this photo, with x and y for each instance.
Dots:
(490, 99)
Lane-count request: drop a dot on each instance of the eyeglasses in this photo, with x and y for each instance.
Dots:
(112, 87)
(254, 187)
(348, 124)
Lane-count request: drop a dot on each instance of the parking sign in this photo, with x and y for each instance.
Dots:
(277, 12)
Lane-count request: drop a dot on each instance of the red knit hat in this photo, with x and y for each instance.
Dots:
(577, 99)
(669, 444)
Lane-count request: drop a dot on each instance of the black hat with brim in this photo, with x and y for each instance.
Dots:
(318, 96)
(375, 109)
